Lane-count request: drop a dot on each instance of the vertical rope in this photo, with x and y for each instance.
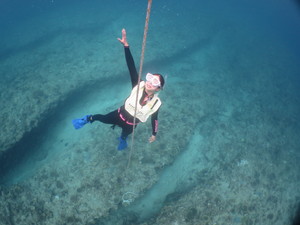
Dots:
(140, 74)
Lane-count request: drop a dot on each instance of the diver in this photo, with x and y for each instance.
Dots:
(148, 103)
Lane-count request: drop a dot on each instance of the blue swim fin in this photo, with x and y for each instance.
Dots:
(78, 123)
(122, 144)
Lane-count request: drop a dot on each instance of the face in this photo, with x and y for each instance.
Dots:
(152, 83)
(150, 87)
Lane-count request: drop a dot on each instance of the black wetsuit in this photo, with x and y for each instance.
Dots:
(120, 116)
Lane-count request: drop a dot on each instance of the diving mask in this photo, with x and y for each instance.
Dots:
(154, 80)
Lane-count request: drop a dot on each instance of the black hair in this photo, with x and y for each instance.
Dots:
(161, 79)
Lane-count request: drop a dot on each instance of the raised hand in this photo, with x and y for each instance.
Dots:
(124, 39)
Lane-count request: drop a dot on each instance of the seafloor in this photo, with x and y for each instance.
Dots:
(227, 151)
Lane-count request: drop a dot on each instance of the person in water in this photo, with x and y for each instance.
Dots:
(148, 103)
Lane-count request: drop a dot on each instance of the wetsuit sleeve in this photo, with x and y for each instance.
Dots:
(154, 121)
(131, 67)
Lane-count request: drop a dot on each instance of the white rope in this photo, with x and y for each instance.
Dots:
(140, 74)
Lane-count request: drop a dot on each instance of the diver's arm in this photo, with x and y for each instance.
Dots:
(131, 67)
(154, 122)
(129, 60)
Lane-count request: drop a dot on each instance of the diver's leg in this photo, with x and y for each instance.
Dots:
(126, 130)
(110, 118)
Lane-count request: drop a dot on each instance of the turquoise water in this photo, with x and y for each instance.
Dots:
(227, 151)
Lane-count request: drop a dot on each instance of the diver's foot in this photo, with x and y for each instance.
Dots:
(122, 144)
(78, 123)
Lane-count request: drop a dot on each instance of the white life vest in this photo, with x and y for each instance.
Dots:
(142, 112)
